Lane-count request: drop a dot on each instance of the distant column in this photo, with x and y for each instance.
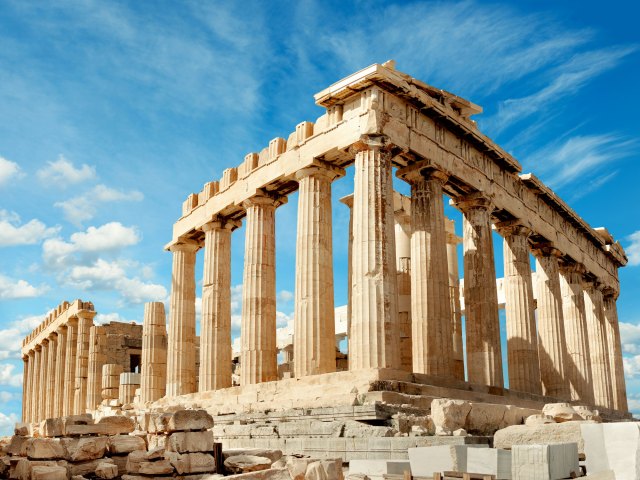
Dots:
(522, 339)
(70, 369)
(618, 387)
(181, 359)
(215, 326)
(454, 296)
(37, 377)
(599, 348)
(484, 358)
(374, 312)
(28, 410)
(58, 395)
(97, 358)
(85, 322)
(551, 337)
(258, 356)
(314, 322)
(25, 388)
(153, 381)
(43, 383)
(51, 376)
(403, 268)
(575, 321)
(348, 201)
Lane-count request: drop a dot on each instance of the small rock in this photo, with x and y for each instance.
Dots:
(440, 431)
(246, 463)
(106, 470)
(540, 419)
(125, 444)
(419, 431)
(561, 412)
(461, 432)
(449, 414)
(21, 429)
(588, 414)
(48, 473)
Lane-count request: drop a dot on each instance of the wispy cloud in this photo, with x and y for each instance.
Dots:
(8, 170)
(84, 207)
(633, 249)
(62, 173)
(11, 289)
(13, 232)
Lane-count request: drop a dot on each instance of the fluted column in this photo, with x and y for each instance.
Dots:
(70, 369)
(432, 338)
(85, 322)
(215, 326)
(28, 409)
(522, 339)
(484, 358)
(348, 201)
(153, 381)
(58, 395)
(403, 268)
(599, 348)
(374, 312)
(314, 323)
(97, 358)
(181, 359)
(575, 322)
(258, 356)
(37, 377)
(44, 380)
(25, 387)
(51, 376)
(454, 297)
(618, 386)
(551, 337)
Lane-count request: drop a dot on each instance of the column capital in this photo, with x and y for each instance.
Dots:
(52, 336)
(423, 170)
(44, 341)
(347, 200)
(572, 267)
(86, 314)
(221, 223)
(609, 292)
(25, 358)
(546, 250)
(512, 227)
(184, 245)
(320, 169)
(472, 201)
(372, 142)
(61, 329)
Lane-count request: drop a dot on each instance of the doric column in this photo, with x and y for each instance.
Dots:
(314, 323)
(97, 358)
(454, 297)
(374, 299)
(432, 338)
(70, 369)
(181, 359)
(484, 358)
(522, 339)
(575, 323)
(215, 326)
(49, 396)
(618, 387)
(37, 377)
(44, 380)
(85, 322)
(598, 345)
(25, 387)
(551, 337)
(28, 409)
(348, 201)
(258, 356)
(58, 395)
(153, 381)
(403, 268)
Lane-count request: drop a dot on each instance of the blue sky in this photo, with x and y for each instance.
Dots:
(111, 113)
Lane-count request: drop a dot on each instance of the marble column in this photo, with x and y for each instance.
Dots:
(551, 337)
(181, 357)
(348, 201)
(598, 346)
(403, 268)
(85, 322)
(215, 326)
(454, 297)
(58, 395)
(51, 376)
(44, 380)
(30, 387)
(522, 339)
(258, 355)
(314, 323)
(432, 337)
(618, 387)
(70, 368)
(374, 312)
(37, 390)
(484, 358)
(575, 323)
(97, 358)
(25, 388)
(153, 380)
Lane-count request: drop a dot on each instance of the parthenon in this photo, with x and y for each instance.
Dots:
(404, 313)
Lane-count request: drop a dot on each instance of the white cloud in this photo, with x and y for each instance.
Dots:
(13, 289)
(62, 173)
(8, 170)
(285, 296)
(11, 337)
(84, 207)
(6, 397)
(7, 423)
(104, 318)
(633, 249)
(8, 376)
(13, 233)
(630, 335)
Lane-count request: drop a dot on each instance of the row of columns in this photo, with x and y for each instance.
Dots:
(542, 360)
(56, 371)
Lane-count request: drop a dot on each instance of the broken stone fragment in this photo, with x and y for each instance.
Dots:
(52, 427)
(88, 467)
(17, 445)
(192, 462)
(297, 467)
(246, 463)
(117, 424)
(159, 467)
(561, 412)
(186, 442)
(44, 449)
(273, 455)
(21, 429)
(188, 420)
(106, 471)
(449, 415)
(84, 448)
(134, 460)
(540, 419)
(119, 444)
(48, 473)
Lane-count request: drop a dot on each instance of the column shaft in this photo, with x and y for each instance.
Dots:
(58, 395)
(432, 337)
(153, 381)
(97, 358)
(484, 358)
(348, 201)
(181, 359)
(85, 322)
(454, 298)
(37, 376)
(618, 387)
(43, 383)
(374, 313)
(25, 388)
(52, 362)
(70, 369)
(30, 387)
(522, 339)
(258, 356)
(575, 322)
(314, 323)
(599, 348)
(215, 326)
